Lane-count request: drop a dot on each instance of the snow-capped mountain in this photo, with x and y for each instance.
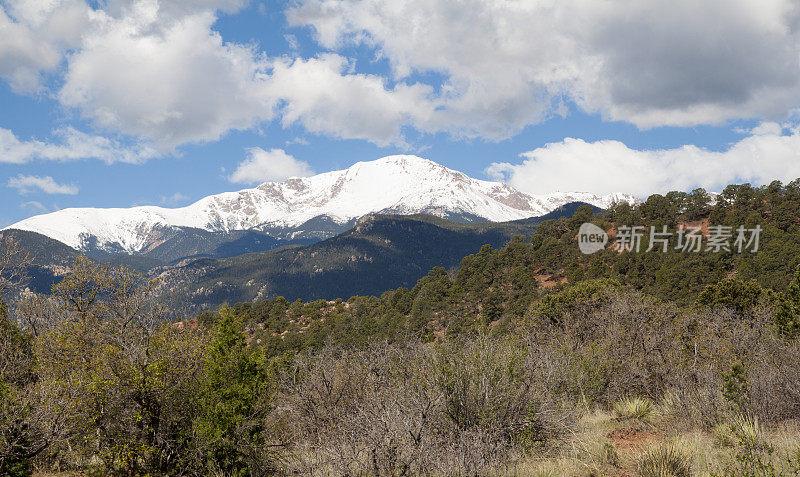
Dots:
(310, 206)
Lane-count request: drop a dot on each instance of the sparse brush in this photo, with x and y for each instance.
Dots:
(723, 435)
(668, 405)
(545, 473)
(755, 455)
(638, 408)
(664, 460)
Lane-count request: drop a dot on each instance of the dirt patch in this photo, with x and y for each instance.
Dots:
(630, 437)
(703, 224)
(547, 281)
(190, 324)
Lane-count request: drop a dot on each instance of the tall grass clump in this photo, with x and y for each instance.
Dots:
(664, 460)
(747, 431)
(638, 408)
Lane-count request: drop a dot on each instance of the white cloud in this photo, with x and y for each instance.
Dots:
(767, 128)
(172, 9)
(321, 95)
(173, 80)
(34, 37)
(611, 166)
(169, 81)
(268, 166)
(508, 64)
(74, 145)
(158, 71)
(297, 140)
(34, 206)
(27, 184)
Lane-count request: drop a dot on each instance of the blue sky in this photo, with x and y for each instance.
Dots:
(133, 102)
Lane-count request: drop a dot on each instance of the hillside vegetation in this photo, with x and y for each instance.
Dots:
(530, 359)
(379, 253)
(501, 288)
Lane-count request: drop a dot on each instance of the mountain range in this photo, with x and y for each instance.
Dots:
(296, 211)
(380, 252)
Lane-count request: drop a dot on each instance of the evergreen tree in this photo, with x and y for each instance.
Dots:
(787, 312)
(234, 399)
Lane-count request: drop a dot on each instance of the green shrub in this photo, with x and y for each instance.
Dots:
(733, 294)
(734, 385)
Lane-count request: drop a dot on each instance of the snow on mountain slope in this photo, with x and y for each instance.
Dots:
(396, 184)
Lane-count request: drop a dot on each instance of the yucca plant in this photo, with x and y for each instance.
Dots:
(664, 460)
(754, 455)
(746, 430)
(634, 408)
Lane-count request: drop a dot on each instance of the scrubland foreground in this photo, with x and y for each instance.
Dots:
(612, 367)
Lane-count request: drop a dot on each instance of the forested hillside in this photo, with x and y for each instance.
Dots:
(381, 252)
(495, 287)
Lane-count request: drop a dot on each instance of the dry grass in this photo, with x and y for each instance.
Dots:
(665, 459)
(584, 454)
(591, 452)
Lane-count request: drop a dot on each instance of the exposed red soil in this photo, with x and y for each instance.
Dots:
(630, 437)
(703, 224)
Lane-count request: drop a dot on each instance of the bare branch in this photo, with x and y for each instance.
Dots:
(14, 262)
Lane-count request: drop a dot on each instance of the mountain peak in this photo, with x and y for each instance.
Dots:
(399, 184)
(399, 163)
(403, 159)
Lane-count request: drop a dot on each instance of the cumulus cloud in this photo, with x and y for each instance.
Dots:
(611, 166)
(26, 184)
(321, 95)
(268, 166)
(175, 81)
(172, 83)
(73, 145)
(509, 64)
(174, 9)
(34, 36)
